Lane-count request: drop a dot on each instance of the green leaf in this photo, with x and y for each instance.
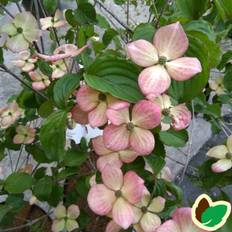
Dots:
(228, 78)
(174, 138)
(69, 16)
(227, 227)
(144, 31)
(50, 5)
(46, 109)
(74, 158)
(156, 163)
(224, 8)
(116, 76)
(225, 59)
(18, 182)
(64, 88)
(38, 154)
(52, 135)
(43, 188)
(102, 22)
(108, 36)
(192, 9)
(85, 14)
(2, 151)
(213, 215)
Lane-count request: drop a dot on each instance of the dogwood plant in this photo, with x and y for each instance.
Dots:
(127, 92)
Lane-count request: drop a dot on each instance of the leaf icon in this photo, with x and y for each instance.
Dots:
(202, 206)
(214, 215)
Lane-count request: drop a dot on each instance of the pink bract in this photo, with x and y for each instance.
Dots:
(116, 195)
(134, 132)
(163, 59)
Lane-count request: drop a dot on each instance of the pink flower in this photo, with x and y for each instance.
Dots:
(9, 115)
(180, 116)
(79, 116)
(132, 130)
(116, 195)
(55, 21)
(181, 222)
(63, 52)
(40, 81)
(25, 62)
(59, 69)
(110, 157)
(95, 103)
(146, 211)
(224, 155)
(163, 59)
(25, 135)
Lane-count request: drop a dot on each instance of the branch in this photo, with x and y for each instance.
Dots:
(114, 16)
(8, 12)
(5, 69)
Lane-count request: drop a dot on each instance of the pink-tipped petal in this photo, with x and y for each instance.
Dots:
(133, 187)
(154, 81)
(79, 115)
(146, 114)
(113, 227)
(97, 117)
(150, 222)
(142, 141)
(101, 199)
(183, 217)
(116, 138)
(181, 117)
(222, 165)
(28, 67)
(87, 98)
(112, 177)
(123, 213)
(171, 41)
(183, 68)
(142, 52)
(112, 159)
(169, 226)
(118, 113)
(99, 146)
(218, 152)
(157, 205)
(38, 85)
(19, 139)
(128, 156)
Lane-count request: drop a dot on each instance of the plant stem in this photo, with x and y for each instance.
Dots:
(5, 69)
(8, 12)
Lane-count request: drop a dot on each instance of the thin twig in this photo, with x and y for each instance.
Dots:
(19, 7)
(23, 82)
(114, 16)
(8, 12)
(190, 144)
(20, 154)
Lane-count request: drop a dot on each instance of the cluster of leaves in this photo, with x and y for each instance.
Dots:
(206, 24)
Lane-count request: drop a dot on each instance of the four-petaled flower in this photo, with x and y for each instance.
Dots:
(65, 219)
(25, 62)
(25, 135)
(9, 115)
(111, 157)
(179, 115)
(217, 85)
(116, 195)
(181, 222)
(224, 154)
(96, 104)
(59, 69)
(163, 59)
(22, 31)
(55, 21)
(40, 81)
(132, 130)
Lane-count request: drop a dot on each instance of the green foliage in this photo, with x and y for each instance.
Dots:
(52, 135)
(224, 8)
(144, 31)
(64, 88)
(85, 14)
(18, 182)
(114, 75)
(50, 5)
(174, 138)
